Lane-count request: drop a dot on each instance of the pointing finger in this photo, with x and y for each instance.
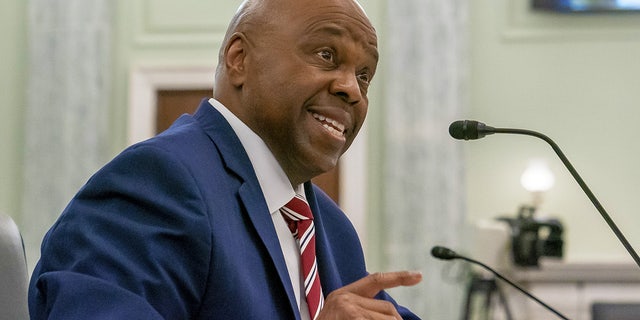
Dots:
(370, 285)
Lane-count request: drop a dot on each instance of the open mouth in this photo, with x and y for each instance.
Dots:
(334, 127)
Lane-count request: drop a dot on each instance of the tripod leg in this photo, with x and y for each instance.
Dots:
(505, 304)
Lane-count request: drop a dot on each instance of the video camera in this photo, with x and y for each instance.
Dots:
(534, 238)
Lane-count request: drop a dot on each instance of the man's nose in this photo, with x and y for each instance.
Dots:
(346, 86)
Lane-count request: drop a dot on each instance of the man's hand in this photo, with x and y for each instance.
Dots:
(355, 301)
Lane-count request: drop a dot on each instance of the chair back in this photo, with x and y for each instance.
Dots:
(13, 272)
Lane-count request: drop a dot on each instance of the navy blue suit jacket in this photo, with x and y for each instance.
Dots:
(176, 227)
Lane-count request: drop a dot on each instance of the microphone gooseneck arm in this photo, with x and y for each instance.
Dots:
(578, 179)
(450, 255)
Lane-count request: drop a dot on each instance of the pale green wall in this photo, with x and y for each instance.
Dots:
(575, 78)
(13, 58)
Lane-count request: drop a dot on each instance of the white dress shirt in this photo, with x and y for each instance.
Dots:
(277, 191)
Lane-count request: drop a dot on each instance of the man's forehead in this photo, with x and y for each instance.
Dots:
(308, 15)
(340, 11)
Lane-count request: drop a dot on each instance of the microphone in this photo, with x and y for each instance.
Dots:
(469, 130)
(472, 130)
(448, 254)
(443, 253)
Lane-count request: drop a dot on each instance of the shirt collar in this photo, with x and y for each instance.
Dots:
(274, 183)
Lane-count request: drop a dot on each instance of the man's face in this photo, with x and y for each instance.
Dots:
(307, 82)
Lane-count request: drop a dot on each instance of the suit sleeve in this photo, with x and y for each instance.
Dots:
(134, 243)
(405, 313)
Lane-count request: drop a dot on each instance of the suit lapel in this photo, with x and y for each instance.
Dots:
(237, 161)
(261, 219)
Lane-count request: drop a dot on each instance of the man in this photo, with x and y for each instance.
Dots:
(188, 225)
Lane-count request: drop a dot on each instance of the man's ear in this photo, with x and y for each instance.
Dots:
(235, 58)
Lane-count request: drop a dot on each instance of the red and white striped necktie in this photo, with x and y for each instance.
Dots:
(300, 220)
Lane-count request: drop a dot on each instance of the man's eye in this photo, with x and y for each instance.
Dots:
(326, 55)
(364, 77)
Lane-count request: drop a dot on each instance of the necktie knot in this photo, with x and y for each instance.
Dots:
(297, 209)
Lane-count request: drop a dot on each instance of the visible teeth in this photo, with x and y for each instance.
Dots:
(333, 126)
(332, 129)
(338, 125)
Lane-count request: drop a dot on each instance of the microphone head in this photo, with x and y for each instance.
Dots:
(457, 129)
(468, 130)
(444, 253)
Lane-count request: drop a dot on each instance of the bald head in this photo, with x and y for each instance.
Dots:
(266, 16)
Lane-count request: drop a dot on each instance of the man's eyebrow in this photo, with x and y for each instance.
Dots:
(340, 31)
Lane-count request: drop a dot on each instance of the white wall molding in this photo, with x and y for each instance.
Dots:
(183, 23)
(146, 81)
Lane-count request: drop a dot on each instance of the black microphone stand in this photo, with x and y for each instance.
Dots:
(485, 287)
(515, 286)
(576, 176)
(448, 254)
